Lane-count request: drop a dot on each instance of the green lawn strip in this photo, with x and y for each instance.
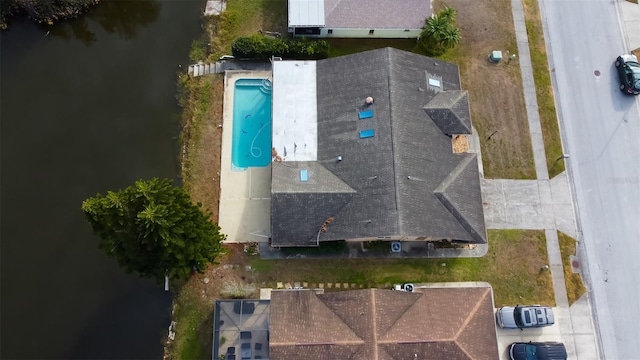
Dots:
(573, 282)
(194, 332)
(512, 266)
(544, 90)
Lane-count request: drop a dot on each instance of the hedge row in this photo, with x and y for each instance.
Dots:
(262, 47)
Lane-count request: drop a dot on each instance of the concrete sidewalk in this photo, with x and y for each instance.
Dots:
(542, 204)
(630, 18)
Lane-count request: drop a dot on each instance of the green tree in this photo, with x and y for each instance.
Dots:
(440, 32)
(153, 229)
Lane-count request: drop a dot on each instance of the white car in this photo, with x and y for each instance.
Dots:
(520, 317)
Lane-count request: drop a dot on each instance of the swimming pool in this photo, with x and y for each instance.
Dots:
(251, 139)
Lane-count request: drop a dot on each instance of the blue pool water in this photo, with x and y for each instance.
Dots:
(251, 139)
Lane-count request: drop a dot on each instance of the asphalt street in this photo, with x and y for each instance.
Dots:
(601, 135)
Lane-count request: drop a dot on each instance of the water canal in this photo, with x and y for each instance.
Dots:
(86, 108)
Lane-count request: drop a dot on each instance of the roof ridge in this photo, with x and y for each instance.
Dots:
(444, 102)
(441, 193)
(472, 313)
(394, 153)
(327, 12)
(321, 307)
(391, 327)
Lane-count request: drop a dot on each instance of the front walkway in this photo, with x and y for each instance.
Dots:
(529, 204)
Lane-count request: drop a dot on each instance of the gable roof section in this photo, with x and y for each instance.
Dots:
(450, 111)
(309, 203)
(377, 14)
(394, 174)
(450, 192)
(439, 323)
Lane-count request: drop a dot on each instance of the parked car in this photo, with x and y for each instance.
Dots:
(538, 351)
(629, 74)
(520, 317)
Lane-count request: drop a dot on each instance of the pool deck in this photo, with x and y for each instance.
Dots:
(245, 196)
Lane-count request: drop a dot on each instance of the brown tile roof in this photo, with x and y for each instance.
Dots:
(439, 323)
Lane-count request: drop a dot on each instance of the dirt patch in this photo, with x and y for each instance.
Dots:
(460, 144)
(572, 282)
(495, 90)
(195, 299)
(202, 140)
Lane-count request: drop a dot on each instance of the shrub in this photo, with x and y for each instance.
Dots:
(262, 47)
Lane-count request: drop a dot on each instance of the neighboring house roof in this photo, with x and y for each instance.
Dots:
(377, 14)
(403, 181)
(439, 323)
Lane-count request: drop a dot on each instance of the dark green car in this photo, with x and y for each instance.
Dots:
(538, 351)
(629, 74)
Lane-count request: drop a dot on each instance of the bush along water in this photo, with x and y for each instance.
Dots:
(262, 47)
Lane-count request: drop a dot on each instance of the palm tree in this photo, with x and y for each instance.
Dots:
(439, 32)
(435, 28)
(450, 37)
(449, 14)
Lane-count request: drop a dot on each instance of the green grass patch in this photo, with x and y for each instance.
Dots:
(341, 47)
(194, 332)
(544, 90)
(512, 266)
(573, 282)
(244, 18)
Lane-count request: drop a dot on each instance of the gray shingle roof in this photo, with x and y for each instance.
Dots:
(450, 111)
(439, 323)
(403, 181)
(377, 14)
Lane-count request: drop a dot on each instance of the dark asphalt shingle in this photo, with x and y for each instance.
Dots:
(404, 181)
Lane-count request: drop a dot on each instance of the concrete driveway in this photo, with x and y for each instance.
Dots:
(529, 204)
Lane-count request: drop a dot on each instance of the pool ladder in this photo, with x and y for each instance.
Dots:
(266, 86)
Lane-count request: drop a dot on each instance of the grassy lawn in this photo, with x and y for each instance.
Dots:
(573, 282)
(194, 325)
(544, 90)
(495, 90)
(515, 278)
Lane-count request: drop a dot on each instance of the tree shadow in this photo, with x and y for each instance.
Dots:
(124, 18)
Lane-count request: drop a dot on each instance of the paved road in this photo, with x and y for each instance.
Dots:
(601, 132)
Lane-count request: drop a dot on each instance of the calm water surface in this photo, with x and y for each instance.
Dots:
(90, 107)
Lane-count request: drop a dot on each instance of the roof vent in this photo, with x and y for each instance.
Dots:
(368, 100)
(339, 158)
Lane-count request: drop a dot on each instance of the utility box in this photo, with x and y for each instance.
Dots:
(495, 56)
(408, 287)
